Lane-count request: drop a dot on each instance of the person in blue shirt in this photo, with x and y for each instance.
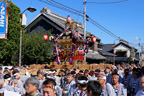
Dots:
(141, 92)
(66, 87)
(73, 88)
(108, 89)
(94, 88)
(82, 86)
(119, 88)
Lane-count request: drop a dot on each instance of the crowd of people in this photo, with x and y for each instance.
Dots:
(120, 80)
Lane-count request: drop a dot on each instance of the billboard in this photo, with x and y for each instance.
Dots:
(3, 19)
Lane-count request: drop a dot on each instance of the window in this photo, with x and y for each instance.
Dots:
(121, 54)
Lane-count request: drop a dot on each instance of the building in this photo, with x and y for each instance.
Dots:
(48, 20)
(124, 53)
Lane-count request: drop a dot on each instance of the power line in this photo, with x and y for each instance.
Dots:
(79, 13)
(50, 3)
(108, 2)
(64, 6)
(60, 7)
(103, 28)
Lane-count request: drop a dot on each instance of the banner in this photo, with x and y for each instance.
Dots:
(4, 19)
(24, 18)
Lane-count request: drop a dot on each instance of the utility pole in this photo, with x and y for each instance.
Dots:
(142, 53)
(139, 51)
(85, 23)
(142, 49)
(133, 52)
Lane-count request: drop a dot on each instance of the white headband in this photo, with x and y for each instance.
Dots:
(16, 74)
(103, 77)
(46, 72)
(82, 81)
(51, 72)
(8, 79)
(54, 71)
(49, 77)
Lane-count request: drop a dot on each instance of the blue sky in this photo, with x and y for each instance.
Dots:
(123, 19)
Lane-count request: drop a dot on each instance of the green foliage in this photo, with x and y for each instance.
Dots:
(4, 0)
(9, 47)
(35, 49)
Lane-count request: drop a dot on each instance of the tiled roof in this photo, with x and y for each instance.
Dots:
(59, 20)
(105, 53)
(95, 55)
(107, 47)
(105, 50)
(123, 43)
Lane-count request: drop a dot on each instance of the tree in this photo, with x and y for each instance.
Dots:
(9, 48)
(4, 0)
(35, 50)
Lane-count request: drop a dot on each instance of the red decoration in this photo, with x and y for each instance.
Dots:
(75, 58)
(79, 55)
(45, 37)
(93, 39)
(76, 35)
(81, 52)
(81, 58)
(59, 50)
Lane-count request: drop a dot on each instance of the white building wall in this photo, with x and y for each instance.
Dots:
(122, 48)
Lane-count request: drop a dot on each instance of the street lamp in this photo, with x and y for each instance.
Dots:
(20, 46)
(114, 51)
